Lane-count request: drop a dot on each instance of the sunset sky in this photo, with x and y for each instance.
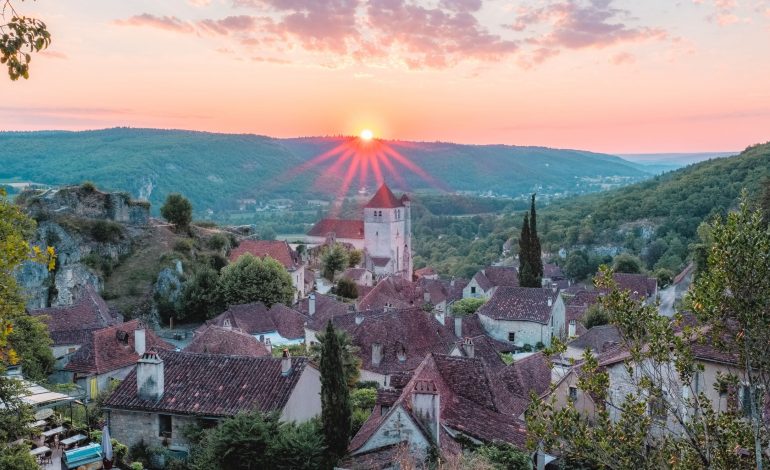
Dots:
(623, 76)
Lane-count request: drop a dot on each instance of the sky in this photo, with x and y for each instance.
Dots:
(616, 76)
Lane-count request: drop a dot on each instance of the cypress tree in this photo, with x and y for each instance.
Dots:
(336, 409)
(526, 274)
(535, 253)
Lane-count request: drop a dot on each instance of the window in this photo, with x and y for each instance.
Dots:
(572, 393)
(164, 425)
(71, 350)
(745, 397)
(473, 289)
(572, 328)
(512, 336)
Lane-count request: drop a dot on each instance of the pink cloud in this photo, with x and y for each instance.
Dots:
(230, 24)
(577, 25)
(167, 23)
(623, 58)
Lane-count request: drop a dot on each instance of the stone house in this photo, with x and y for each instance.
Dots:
(524, 315)
(280, 251)
(170, 390)
(485, 282)
(598, 339)
(360, 276)
(641, 286)
(279, 324)
(110, 354)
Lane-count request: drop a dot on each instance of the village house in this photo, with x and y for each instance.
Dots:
(485, 282)
(524, 316)
(280, 325)
(170, 390)
(110, 354)
(360, 276)
(598, 339)
(319, 309)
(71, 326)
(213, 339)
(280, 251)
(331, 231)
(641, 286)
(448, 403)
(576, 307)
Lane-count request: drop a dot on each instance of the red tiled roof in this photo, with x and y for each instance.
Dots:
(413, 332)
(341, 228)
(579, 304)
(104, 352)
(639, 285)
(493, 276)
(426, 271)
(552, 271)
(277, 249)
(384, 199)
(67, 324)
(255, 319)
(519, 303)
(214, 385)
(470, 403)
(326, 308)
(391, 291)
(217, 340)
(597, 338)
(525, 376)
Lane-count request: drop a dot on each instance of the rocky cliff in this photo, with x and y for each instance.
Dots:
(88, 202)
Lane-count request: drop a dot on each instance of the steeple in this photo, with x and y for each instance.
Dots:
(384, 199)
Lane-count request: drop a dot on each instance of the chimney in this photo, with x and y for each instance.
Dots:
(268, 344)
(311, 304)
(554, 288)
(140, 341)
(359, 318)
(426, 297)
(376, 354)
(459, 327)
(149, 377)
(285, 363)
(426, 406)
(550, 302)
(468, 347)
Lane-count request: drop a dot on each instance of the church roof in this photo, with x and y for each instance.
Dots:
(351, 229)
(384, 199)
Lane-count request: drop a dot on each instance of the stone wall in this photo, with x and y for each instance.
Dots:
(86, 202)
(131, 427)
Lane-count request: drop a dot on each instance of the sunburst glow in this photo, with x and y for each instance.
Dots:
(363, 160)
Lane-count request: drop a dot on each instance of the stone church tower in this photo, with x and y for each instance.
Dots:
(388, 234)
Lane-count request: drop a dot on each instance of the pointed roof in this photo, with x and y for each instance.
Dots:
(384, 199)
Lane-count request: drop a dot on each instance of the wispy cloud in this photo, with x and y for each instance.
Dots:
(167, 23)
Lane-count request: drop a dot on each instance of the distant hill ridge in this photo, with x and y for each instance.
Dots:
(214, 170)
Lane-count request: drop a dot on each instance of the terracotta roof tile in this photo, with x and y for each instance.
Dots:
(640, 285)
(519, 303)
(495, 276)
(597, 338)
(552, 271)
(255, 319)
(66, 323)
(279, 250)
(214, 385)
(217, 340)
(105, 352)
(384, 199)
(326, 308)
(351, 229)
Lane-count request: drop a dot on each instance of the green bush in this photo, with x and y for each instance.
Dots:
(468, 306)
(105, 231)
(184, 245)
(363, 398)
(88, 187)
(595, 316)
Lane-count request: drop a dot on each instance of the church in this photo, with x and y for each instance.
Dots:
(384, 235)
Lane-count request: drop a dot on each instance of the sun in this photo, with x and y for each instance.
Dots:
(366, 134)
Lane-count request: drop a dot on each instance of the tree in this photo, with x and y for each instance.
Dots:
(351, 363)
(467, 306)
(354, 258)
(595, 316)
(504, 456)
(729, 302)
(576, 266)
(15, 229)
(252, 279)
(346, 288)
(527, 277)
(535, 252)
(335, 259)
(252, 440)
(19, 37)
(177, 210)
(336, 410)
(202, 297)
(267, 233)
(626, 263)
(764, 201)
(32, 343)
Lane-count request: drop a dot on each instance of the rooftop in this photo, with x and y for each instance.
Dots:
(279, 250)
(384, 199)
(520, 303)
(217, 340)
(256, 319)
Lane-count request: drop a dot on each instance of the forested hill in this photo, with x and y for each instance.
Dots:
(657, 218)
(215, 170)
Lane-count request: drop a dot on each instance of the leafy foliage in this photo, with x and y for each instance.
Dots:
(177, 210)
(467, 306)
(351, 363)
(335, 397)
(202, 296)
(20, 37)
(334, 260)
(626, 263)
(32, 343)
(504, 456)
(596, 315)
(252, 279)
(346, 288)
